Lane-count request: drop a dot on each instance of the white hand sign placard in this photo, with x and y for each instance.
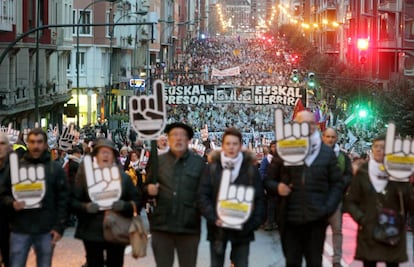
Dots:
(104, 184)
(399, 155)
(28, 182)
(12, 134)
(148, 113)
(52, 135)
(195, 146)
(66, 139)
(235, 202)
(204, 133)
(143, 159)
(292, 140)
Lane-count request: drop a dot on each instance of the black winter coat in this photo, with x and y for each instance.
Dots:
(176, 210)
(90, 226)
(316, 190)
(53, 212)
(208, 192)
(362, 201)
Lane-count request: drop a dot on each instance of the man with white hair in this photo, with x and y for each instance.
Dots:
(330, 137)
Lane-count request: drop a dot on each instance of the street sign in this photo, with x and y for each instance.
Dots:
(137, 83)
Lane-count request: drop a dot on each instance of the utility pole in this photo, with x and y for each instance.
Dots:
(37, 83)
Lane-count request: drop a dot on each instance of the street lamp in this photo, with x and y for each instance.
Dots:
(77, 54)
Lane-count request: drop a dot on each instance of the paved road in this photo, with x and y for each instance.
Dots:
(265, 251)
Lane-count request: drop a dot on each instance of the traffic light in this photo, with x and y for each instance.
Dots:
(362, 45)
(311, 80)
(363, 111)
(295, 75)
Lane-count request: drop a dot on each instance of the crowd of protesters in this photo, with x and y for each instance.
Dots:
(282, 184)
(182, 179)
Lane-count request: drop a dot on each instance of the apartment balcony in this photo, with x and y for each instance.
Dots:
(409, 63)
(330, 49)
(409, 43)
(18, 101)
(326, 5)
(388, 5)
(6, 23)
(389, 43)
(409, 72)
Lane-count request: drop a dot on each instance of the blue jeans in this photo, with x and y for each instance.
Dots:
(20, 245)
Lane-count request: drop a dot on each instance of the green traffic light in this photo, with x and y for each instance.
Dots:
(311, 84)
(295, 78)
(363, 113)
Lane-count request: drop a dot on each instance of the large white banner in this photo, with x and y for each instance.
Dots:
(227, 72)
(199, 94)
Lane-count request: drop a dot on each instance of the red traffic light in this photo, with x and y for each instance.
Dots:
(362, 44)
(363, 57)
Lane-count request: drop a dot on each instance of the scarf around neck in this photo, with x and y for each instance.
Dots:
(234, 164)
(377, 175)
(336, 149)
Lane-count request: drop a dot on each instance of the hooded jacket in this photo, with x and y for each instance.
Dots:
(53, 211)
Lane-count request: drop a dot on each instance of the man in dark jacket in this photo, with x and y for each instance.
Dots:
(218, 204)
(175, 221)
(38, 201)
(310, 193)
(329, 137)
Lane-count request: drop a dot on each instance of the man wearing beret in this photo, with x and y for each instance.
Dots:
(175, 221)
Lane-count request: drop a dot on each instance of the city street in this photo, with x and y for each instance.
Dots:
(265, 251)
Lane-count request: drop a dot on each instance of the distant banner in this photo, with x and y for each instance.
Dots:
(227, 72)
(226, 94)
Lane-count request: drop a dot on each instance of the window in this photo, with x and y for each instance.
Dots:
(85, 18)
(107, 29)
(31, 14)
(75, 21)
(82, 67)
(69, 64)
(409, 30)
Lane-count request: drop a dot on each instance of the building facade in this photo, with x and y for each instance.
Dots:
(33, 86)
(336, 26)
(74, 62)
